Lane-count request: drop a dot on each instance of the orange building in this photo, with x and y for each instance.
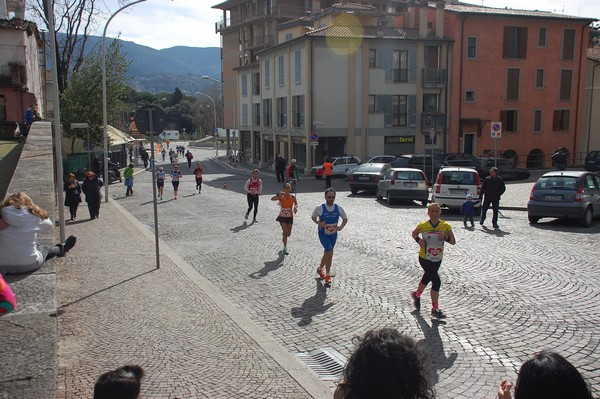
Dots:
(525, 69)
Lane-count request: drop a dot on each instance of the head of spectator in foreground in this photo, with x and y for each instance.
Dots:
(548, 375)
(122, 383)
(385, 364)
(20, 200)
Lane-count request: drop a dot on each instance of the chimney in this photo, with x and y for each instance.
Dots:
(423, 7)
(439, 18)
(411, 14)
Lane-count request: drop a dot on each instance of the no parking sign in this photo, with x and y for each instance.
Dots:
(496, 131)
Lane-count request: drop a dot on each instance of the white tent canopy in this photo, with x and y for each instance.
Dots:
(118, 137)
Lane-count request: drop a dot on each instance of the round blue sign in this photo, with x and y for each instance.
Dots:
(314, 137)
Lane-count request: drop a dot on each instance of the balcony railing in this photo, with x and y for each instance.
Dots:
(432, 119)
(262, 11)
(434, 77)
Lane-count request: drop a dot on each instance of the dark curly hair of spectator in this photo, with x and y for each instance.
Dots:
(385, 364)
(122, 383)
(549, 375)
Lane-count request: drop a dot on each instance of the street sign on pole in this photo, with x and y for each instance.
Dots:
(496, 131)
(432, 135)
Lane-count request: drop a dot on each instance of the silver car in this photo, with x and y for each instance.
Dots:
(366, 177)
(565, 194)
(407, 184)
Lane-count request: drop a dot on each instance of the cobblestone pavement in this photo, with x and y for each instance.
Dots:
(509, 292)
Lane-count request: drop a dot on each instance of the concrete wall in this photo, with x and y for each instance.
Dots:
(29, 333)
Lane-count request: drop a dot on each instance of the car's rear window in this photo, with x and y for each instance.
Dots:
(401, 161)
(557, 183)
(409, 175)
(369, 168)
(464, 178)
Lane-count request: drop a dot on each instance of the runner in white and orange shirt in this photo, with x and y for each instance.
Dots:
(253, 188)
(198, 174)
(289, 206)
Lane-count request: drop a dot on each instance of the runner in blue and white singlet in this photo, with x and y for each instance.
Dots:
(327, 217)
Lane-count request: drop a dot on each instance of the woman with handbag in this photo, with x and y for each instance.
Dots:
(72, 195)
(93, 196)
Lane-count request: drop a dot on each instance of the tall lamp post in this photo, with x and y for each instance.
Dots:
(104, 106)
(215, 119)
(234, 111)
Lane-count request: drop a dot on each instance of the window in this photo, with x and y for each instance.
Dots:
(244, 85)
(245, 114)
(537, 120)
(298, 67)
(400, 66)
(371, 103)
(539, 78)
(289, 36)
(510, 119)
(542, 37)
(2, 108)
(399, 111)
(372, 58)
(430, 103)
(281, 71)
(512, 84)
(256, 114)
(515, 42)
(566, 78)
(267, 74)
(561, 120)
(256, 83)
(471, 48)
(568, 50)
(469, 96)
(281, 111)
(267, 107)
(298, 111)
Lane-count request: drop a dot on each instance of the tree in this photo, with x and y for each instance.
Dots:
(82, 100)
(74, 20)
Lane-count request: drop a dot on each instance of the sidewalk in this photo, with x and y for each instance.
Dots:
(106, 304)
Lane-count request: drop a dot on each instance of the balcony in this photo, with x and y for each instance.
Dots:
(260, 12)
(432, 120)
(434, 78)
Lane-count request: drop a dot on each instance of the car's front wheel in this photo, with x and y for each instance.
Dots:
(586, 219)
(533, 219)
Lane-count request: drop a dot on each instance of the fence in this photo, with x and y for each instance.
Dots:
(79, 163)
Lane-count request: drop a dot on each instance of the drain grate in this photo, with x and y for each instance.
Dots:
(327, 363)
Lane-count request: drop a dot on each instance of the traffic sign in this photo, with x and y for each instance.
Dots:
(314, 137)
(83, 125)
(314, 143)
(432, 134)
(496, 131)
(142, 118)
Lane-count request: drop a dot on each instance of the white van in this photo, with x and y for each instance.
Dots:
(169, 135)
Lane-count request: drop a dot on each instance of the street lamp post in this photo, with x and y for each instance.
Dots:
(234, 112)
(104, 106)
(215, 119)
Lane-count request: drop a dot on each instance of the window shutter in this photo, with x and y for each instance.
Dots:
(523, 43)
(506, 42)
(412, 66)
(412, 110)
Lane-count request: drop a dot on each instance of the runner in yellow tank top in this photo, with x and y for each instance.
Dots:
(434, 233)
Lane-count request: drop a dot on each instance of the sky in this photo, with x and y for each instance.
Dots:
(162, 24)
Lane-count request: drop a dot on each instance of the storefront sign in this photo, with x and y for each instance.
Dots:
(399, 139)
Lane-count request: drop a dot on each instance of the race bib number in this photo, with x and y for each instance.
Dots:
(331, 229)
(434, 246)
(285, 212)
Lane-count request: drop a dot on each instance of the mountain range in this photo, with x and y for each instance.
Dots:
(163, 70)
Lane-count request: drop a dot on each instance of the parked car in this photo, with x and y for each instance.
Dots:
(419, 161)
(409, 184)
(366, 176)
(452, 185)
(506, 168)
(340, 164)
(592, 161)
(565, 194)
(459, 159)
(375, 159)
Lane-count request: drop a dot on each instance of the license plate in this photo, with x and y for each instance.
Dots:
(410, 184)
(364, 178)
(553, 197)
(457, 191)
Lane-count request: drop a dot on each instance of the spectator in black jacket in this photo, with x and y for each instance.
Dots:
(491, 190)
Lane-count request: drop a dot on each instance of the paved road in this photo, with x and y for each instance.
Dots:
(508, 293)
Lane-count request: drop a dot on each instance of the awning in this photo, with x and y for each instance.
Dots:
(117, 137)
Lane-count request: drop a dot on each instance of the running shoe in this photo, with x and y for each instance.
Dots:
(285, 251)
(246, 216)
(321, 272)
(328, 280)
(416, 300)
(438, 314)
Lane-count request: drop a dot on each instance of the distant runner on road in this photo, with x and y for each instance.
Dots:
(326, 216)
(253, 189)
(175, 177)
(198, 174)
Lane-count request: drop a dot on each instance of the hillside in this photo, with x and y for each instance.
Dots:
(155, 71)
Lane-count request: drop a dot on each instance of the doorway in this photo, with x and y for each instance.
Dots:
(469, 143)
